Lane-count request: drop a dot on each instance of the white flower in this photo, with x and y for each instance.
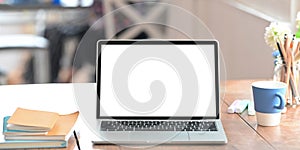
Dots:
(298, 20)
(275, 31)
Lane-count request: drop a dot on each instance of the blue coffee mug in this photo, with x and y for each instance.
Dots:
(269, 96)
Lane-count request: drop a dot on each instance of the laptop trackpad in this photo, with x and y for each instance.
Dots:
(144, 137)
(207, 137)
(114, 136)
(159, 137)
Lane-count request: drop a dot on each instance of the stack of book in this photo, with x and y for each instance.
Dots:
(37, 129)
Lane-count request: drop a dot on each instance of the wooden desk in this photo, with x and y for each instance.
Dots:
(284, 136)
(242, 130)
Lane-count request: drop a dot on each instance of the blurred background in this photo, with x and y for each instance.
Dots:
(39, 38)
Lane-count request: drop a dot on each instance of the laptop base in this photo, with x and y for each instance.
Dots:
(162, 137)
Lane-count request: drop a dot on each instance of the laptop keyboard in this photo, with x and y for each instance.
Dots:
(158, 126)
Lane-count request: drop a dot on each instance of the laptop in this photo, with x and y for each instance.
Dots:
(158, 92)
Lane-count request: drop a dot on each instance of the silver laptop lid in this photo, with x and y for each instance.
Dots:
(157, 79)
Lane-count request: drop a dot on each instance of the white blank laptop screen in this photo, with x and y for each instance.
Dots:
(143, 73)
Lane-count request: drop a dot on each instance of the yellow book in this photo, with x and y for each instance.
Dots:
(60, 131)
(32, 120)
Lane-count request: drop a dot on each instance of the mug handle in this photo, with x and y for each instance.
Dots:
(281, 97)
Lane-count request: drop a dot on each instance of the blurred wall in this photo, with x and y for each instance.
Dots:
(240, 34)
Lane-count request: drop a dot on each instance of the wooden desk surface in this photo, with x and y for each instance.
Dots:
(239, 134)
(242, 130)
(284, 136)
